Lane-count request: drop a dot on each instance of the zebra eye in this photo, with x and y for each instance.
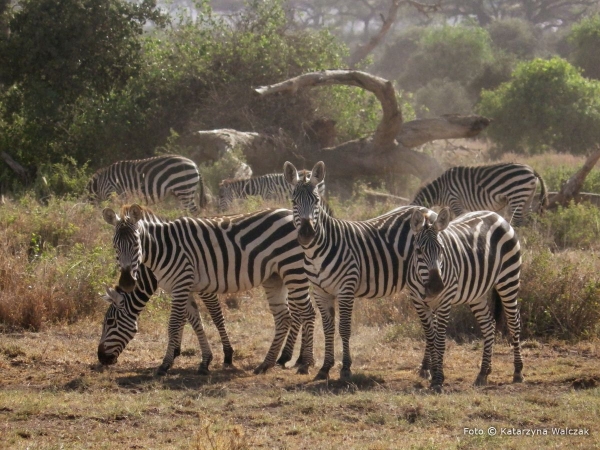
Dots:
(418, 250)
(111, 322)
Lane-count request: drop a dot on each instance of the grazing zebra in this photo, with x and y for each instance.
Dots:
(270, 187)
(120, 320)
(347, 259)
(215, 256)
(481, 188)
(459, 262)
(153, 179)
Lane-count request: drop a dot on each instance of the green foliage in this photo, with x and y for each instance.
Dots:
(576, 226)
(515, 36)
(585, 39)
(456, 53)
(442, 97)
(546, 104)
(57, 52)
(559, 295)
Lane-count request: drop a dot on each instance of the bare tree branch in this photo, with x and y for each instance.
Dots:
(16, 167)
(572, 187)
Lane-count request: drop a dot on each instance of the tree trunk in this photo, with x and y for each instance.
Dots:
(17, 168)
(572, 187)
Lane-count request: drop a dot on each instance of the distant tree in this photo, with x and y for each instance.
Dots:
(545, 13)
(58, 52)
(546, 105)
(585, 39)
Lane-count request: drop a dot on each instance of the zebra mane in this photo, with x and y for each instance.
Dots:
(147, 214)
(229, 181)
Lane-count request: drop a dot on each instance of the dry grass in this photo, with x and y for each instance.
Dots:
(54, 394)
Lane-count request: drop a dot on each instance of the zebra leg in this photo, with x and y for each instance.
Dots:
(193, 316)
(487, 325)
(427, 321)
(179, 309)
(326, 305)
(276, 295)
(187, 199)
(513, 320)
(303, 317)
(216, 314)
(345, 304)
(437, 360)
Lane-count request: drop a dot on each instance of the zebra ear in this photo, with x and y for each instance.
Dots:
(112, 296)
(110, 216)
(290, 173)
(417, 221)
(443, 219)
(135, 213)
(317, 173)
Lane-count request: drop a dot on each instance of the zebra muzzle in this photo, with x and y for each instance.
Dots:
(434, 285)
(306, 232)
(126, 281)
(106, 359)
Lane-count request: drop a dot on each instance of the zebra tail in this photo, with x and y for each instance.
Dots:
(202, 194)
(498, 309)
(543, 193)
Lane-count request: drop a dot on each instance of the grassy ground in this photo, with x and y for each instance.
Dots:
(54, 394)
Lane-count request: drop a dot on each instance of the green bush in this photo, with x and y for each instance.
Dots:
(515, 36)
(453, 53)
(585, 39)
(440, 97)
(560, 295)
(546, 104)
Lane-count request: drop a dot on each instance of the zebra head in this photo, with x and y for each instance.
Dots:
(118, 329)
(127, 243)
(306, 200)
(225, 195)
(428, 256)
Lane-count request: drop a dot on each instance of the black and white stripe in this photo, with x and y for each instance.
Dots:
(215, 256)
(152, 179)
(347, 259)
(459, 262)
(270, 187)
(121, 318)
(480, 188)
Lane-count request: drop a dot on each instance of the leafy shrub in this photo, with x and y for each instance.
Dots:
(546, 104)
(54, 260)
(576, 226)
(560, 295)
(442, 97)
(585, 39)
(452, 53)
(516, 36)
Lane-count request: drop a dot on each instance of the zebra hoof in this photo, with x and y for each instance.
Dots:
(162, 370)
(322, 375)
(437, 388)
(228, 356)
(203, 370)
(518, 378)
(425, 373)
(262, 368)
(283, 359)
(302, 370)
(177, 352)
(481, 380)
(345, 374)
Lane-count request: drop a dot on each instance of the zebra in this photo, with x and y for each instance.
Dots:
(153, 179)
(459, 262)
(347, 259)
(214, 256)
(480, 188)
(270, 187)
(120, 320)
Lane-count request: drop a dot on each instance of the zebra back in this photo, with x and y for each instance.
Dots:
(489, 187)
(270, 187)
(152, 179)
